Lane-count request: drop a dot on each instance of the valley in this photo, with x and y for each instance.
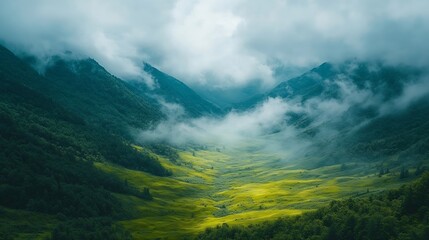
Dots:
(210, 188)
(338, 152)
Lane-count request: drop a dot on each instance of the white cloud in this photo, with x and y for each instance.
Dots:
(224, 44)
(229, 130)
(267, 126)
(411, 93)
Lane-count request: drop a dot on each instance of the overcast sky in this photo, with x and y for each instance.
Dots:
(219, 43)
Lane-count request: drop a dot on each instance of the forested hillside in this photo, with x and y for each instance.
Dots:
(367, 111)
(103, 100)
(47, 155)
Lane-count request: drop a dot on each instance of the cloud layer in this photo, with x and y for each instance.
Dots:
(219, 43)
(271, 127)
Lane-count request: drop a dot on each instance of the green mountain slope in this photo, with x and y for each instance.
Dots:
(46, 162)
(388, 81)
(359, 128)
(88, 90)
(175, 91)
(403, 133)
(47, 156)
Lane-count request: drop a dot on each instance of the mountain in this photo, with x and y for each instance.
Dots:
(309, 84)
(47, 156)
(357, 110)
(322, 82)
(69, 168)
(172, 90)
(23, 84)
(99, 97)
(88, 90)
(49, 152)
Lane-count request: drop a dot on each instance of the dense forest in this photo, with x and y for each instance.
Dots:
(397, 214)
(46, 162)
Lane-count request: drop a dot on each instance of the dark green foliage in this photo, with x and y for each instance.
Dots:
(14, 224)
(39, 114)
(419, 170)
(404, 173)
(383, 171)
(47, 152)
(398, 214)
(405, 133)
(117, 152)
(47, 155)
(164, 150)
(146, 194)
(91, 229)
(46, 159)
(87, 89)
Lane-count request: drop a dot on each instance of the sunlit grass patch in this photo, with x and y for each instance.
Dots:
(216, 186)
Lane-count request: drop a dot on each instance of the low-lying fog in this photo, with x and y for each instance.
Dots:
(270, 125)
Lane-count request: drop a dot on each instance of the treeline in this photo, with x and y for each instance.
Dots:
(117, 152)
(399, 214)
(164, 150)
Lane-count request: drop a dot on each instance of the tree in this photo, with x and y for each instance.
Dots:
(146, 194)
(404, 173)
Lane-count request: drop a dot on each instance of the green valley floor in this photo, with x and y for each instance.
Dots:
(216, 186)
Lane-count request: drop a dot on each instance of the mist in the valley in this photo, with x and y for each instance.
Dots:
(232, 47)
(270, 125)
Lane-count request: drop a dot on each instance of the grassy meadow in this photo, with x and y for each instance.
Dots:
(212, 187)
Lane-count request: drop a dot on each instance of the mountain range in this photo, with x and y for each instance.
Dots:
(372, 110)
(59, 128)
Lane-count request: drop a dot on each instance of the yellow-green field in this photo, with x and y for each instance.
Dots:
(210, 187)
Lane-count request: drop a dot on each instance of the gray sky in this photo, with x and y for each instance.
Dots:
(219, 43)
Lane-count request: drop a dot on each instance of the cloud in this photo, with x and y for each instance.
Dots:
(411, 93)
(270, 126)
(229, 130)
(219, 43)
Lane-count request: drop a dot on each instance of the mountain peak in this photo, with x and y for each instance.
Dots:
(175, 91)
